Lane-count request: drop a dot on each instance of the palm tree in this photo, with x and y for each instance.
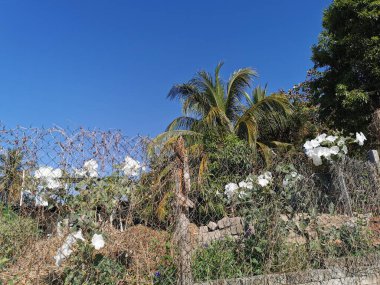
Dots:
(209, 103)
(10, 174)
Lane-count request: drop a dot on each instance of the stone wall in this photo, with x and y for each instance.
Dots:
(226, 227)
(336, 275)
(233, 227)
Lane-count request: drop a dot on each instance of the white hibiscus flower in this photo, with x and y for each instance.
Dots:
(97, 241)
(360, 138)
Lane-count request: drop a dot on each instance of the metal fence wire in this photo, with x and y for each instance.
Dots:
(180, 216)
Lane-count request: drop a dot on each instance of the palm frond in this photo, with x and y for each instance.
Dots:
(266, 153)
(183, 123)
(219, 87)
(281, 145)
(247, 128)
(272, 112)
(217, 118)
(205, 84)
(237, 83)
(182, 91)
(202, 168)
(258, 94)
(166, 139)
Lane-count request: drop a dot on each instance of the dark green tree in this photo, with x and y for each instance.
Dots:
(10, 175)
(346, 79)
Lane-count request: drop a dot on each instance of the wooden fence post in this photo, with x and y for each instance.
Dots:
(182, 234)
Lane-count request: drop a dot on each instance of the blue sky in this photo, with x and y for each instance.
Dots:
(109, 64)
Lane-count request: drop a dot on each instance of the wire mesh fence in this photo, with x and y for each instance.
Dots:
(182, 216)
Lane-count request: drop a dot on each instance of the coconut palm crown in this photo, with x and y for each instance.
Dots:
(210, 103)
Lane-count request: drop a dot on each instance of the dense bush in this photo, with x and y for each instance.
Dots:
(228, 160)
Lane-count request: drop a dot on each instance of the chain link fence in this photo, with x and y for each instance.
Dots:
(182, 216)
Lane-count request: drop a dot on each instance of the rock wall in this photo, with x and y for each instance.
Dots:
(226, 227)
(234, 228)
(369, 275)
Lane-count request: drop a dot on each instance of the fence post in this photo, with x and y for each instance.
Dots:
(373, 157)
(182, 188)
(343, 186)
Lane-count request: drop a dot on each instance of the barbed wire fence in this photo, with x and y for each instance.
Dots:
(172, 219)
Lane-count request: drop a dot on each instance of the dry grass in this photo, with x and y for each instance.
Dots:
(35, 265)
(139, 247)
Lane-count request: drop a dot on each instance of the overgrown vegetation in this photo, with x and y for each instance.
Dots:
(289, 164)
(16, 234)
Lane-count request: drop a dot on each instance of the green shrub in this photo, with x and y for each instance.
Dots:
(16, 232)
(348, 240)
(166, 273)
(84, 267)
(229, 159)
(219, 260)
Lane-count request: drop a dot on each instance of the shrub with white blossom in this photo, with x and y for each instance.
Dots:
(330, 147)
(132, 167)
(89, 169)
(67, 247)
(48, 176)
(241, 190)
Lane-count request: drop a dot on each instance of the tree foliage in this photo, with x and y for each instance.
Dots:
(208, 103)
(10, 175)
(346, 81)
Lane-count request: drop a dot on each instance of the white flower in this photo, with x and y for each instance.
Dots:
(321, 138)
(311, 144)
(97, 241)
(334, 150)
(91, 168)
(317, 160)
(79, 172)
(53, 184)
(67, 248)
(249, 185)
(331, 139)
(308, 145)
(360, 138)
(317, 153)
(78, 235)
(344, 149)
(230, 189)
(43, 172)
(324, 151)
(49, 176)
(293, 174)
(132, 167)
(246, 185)
(285, 182)
(262, 181)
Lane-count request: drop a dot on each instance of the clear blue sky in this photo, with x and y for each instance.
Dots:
(109, 64)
